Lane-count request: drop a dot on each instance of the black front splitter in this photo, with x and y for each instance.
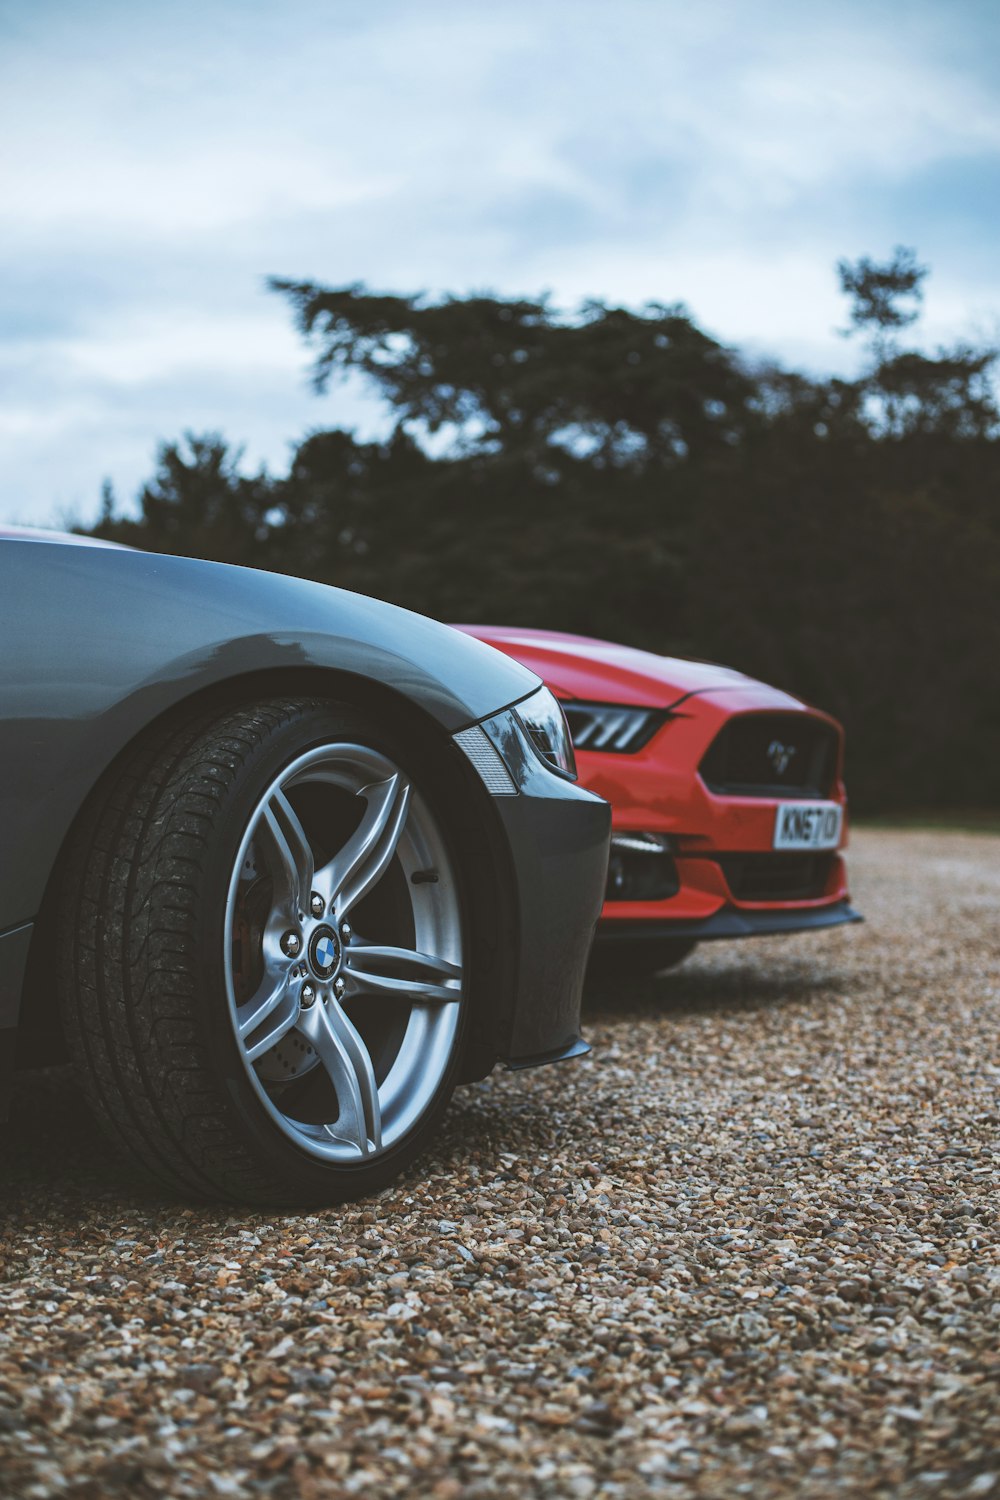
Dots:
(730, 922)
(577, 1047)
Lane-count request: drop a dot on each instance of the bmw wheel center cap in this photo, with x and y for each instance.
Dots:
(324, 952)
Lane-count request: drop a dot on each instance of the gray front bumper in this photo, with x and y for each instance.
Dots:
(14, 947)
(557, 835)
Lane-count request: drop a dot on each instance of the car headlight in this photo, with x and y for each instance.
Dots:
(612, 726)
(545, 724)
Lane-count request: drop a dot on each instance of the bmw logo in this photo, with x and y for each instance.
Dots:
(324, 952)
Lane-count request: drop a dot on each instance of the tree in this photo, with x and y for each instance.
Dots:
(621, 473)
(504, 375)
(197, 503)
(951, 394)
(879, 293)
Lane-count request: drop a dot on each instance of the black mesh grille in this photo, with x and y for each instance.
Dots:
(772, 755)
(776, 877)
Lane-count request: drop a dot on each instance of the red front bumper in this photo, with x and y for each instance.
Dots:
(660, 790)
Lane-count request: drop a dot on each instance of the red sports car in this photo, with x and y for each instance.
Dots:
(729, 809)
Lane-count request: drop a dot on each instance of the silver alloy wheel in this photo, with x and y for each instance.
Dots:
(345, 1034)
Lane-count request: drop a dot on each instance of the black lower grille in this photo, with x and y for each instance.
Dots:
(776, 877)
(772, 755)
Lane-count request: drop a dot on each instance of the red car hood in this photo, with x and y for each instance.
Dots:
(593, 671)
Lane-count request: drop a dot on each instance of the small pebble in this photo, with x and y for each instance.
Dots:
(748, 1247)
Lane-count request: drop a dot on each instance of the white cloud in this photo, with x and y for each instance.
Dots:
(161, 160)
(156, 346)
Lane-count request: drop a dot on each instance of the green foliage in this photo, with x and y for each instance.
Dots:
(622, 474)
(878, 292)
(514, 376)
(197, 504)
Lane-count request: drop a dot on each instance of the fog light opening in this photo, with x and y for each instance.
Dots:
(641, 868)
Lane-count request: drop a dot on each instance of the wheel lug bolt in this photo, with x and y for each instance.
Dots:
(291, 943)
(307, 994)
(316, 904)
(338, 988)
(345, 931)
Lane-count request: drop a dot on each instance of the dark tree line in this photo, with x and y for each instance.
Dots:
(620, 473)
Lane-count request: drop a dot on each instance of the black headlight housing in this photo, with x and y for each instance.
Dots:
(545, 724)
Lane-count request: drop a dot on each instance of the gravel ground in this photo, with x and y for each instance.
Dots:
(748, 1247)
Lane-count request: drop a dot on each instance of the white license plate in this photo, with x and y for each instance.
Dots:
(808, 825)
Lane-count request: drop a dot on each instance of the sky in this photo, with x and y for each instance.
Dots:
(161, 158)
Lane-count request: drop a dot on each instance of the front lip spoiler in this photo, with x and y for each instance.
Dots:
(730, 923)
(576, 1048)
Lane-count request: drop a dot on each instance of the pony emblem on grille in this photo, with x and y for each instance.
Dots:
(780, 756)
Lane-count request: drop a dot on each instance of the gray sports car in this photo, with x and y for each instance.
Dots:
(279, 866)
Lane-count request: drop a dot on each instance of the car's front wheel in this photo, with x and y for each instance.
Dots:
(264, 960)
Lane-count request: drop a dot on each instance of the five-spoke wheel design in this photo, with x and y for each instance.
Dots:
(263, 953)
(344, 952)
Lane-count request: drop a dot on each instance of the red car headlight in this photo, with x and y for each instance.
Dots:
(612, 726)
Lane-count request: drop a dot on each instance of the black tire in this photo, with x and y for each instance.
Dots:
(143, 938)
(640, 958)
